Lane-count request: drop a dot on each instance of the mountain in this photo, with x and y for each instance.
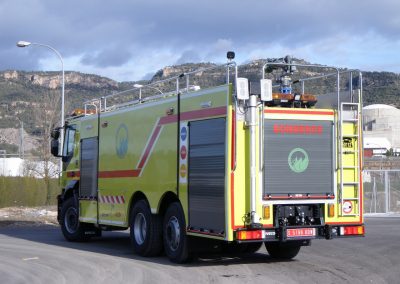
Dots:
(22, 94)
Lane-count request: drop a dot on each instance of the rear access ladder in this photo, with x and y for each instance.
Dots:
(349, 162)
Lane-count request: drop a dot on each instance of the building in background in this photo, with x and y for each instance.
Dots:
(381, 130)
(376, 146)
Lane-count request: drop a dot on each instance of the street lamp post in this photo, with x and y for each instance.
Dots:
(25, 44)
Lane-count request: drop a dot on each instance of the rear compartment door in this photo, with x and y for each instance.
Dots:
(298, 157)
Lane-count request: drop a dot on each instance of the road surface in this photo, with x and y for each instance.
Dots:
(39, 254)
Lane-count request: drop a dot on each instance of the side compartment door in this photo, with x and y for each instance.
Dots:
(88, 180)
(207, 175)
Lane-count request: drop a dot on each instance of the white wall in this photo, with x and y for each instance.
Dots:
(19, 167)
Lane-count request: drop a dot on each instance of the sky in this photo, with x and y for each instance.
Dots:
(129, 40)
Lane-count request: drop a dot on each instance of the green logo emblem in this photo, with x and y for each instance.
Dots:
(298, 160)
(121, 141)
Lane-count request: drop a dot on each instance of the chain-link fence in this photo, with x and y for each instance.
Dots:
(381, 191)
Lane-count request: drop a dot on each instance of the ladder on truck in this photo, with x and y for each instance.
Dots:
(349, 161)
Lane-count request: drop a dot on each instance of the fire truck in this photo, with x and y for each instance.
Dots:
(254, 160)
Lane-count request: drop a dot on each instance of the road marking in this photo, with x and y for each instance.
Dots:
(30, 258)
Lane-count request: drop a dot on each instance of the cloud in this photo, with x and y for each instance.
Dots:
(108, 57)
(131, 35)
(188, 56)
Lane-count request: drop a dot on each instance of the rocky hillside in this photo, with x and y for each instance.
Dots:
(22, 94)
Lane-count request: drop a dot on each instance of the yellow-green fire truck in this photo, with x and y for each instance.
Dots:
(233, 166)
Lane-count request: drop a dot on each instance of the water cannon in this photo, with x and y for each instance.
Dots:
(289, 68)
(284, 79)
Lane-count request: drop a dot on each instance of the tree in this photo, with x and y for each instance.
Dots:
(45, 116)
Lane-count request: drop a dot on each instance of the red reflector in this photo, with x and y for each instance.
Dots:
(353, 230)
(250, 235)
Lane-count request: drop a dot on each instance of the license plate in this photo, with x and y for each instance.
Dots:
(300, 232)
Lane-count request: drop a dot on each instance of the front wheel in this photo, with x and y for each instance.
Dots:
(174, 234)
(282, 250)
(71, 228)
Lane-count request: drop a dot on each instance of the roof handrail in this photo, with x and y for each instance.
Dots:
(151, 85)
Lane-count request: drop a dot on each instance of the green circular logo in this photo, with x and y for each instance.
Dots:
(298, 160)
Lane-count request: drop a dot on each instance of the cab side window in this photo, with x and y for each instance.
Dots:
(69, 142)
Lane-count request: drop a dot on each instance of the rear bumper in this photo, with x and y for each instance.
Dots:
(300, 233)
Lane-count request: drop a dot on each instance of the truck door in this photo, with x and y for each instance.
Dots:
(88, 172)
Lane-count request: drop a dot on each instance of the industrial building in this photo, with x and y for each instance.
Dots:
(381, 129)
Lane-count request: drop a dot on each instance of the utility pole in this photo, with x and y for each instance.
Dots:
(21, 140)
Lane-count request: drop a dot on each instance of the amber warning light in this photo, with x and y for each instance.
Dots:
(79, 112)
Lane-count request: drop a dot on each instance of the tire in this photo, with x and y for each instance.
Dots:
(72, 229)
(282, 251)
(146, 230)
(174, 234)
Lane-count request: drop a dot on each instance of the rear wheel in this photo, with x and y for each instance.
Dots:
(174, 234)
(282, 251)
(146, 235)
(72, 229)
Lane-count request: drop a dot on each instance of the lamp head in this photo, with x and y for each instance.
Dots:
(230, 55)
(22, 43)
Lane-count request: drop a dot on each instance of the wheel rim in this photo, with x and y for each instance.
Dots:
(173, 233)
(140, 228)
(71, 220)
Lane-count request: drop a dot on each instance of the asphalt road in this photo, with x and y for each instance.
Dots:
(39, 254)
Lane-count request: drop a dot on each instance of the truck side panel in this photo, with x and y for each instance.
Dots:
(139, 152)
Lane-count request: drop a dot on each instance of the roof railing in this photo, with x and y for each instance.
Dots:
(102, 104)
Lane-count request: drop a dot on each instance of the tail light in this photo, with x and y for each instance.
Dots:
(352, 230)
(250, 235)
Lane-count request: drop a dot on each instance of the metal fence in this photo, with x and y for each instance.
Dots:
(381, 191)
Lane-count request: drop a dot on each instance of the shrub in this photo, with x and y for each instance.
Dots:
(27, 191)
